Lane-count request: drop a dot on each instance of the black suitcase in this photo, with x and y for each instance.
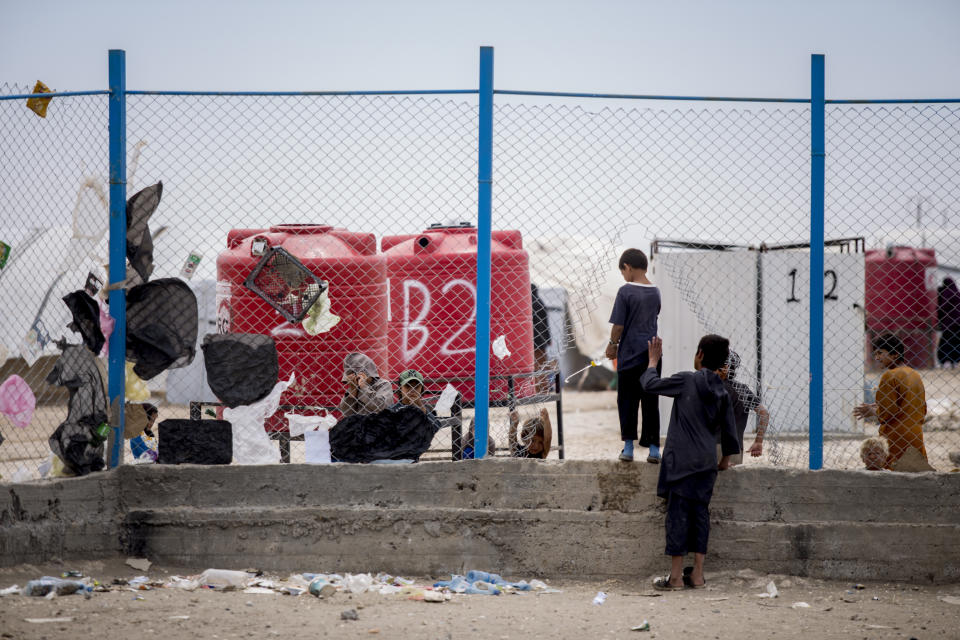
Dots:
(194, 442)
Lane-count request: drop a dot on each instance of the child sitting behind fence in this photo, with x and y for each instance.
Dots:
(901, 404)
(535, 436)
(702, 409)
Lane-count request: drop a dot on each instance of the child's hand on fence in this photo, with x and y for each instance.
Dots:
(865, 410)
(655, 350)
(756, 449)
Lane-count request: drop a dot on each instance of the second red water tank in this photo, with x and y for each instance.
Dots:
(901, 298)
(433, 289)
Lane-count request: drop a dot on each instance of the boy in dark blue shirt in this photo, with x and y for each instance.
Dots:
(702, 415)
(634, 320)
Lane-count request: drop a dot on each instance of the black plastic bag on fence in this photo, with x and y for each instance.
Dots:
(73, 441)
(396, 433)
(161, 326)
(140, 207)
(242, 368)
(86, 319)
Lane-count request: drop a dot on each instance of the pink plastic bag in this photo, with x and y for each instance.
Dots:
(17, 401)
(106, 327)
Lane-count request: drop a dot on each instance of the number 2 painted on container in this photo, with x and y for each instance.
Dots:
(828, 295)
(445, 348)
(416, 324)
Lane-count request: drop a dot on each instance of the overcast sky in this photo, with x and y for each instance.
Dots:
(874, 48)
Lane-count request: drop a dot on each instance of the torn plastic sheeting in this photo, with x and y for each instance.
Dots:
(17, 401)
(500, 347)
(319, 317)
(107, 323)
(445, 402)
(135, 389)
(396, 433)
(298, 424)
(140, 207)
(86, 319)
(317, 447)
(251, 444)
(241, 368)
(72, 442)
(161, 326)
(39, 105)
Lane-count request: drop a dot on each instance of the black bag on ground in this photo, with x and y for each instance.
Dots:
(194, 442)
(241, 367)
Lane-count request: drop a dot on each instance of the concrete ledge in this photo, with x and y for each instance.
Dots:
(65, 518)
(572, 519)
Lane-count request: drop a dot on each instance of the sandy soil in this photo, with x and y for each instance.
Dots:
(727, 608)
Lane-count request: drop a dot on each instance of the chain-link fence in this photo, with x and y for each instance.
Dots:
(53, 230)
(274, 237)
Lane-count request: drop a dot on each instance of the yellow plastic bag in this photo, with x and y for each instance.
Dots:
(39, 105)
(136, 389)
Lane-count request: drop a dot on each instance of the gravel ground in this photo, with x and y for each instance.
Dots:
(728, 608)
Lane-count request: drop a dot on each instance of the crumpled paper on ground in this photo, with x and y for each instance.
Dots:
(251, 444)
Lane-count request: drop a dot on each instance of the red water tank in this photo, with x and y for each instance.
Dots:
(901, 298)
(433, 289)
(357, 289)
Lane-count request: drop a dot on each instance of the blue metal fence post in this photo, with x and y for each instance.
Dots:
(817, 160)
(484, 222)
(118, 243)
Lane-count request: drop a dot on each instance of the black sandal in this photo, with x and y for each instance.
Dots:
(663, 584)
(688, 581)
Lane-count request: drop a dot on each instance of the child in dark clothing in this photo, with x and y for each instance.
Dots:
(702, 409)
(634, 320)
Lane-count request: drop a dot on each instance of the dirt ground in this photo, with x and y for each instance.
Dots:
(728, 608)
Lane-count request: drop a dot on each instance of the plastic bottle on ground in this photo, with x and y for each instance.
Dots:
(224, 578)
(48, 584)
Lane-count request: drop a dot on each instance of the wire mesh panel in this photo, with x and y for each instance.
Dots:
(363, 196)
(893, 179)
(53, 227)
(715, 196)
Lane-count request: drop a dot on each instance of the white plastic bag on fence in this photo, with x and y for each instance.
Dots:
(317, 445)
(251, 444)
(446, 400)
(316, 435)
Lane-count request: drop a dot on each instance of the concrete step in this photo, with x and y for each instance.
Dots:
(552, 543)
(570, 519)
(744, 494)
